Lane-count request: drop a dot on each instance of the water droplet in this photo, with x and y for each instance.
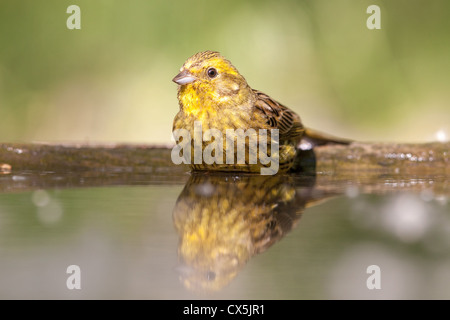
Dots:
(406, 217)
(441, 199)
(51, 213)
(205, 189)
(352, 191)
(441, 136)
(40, 198)
(18, 178)
(5, 168)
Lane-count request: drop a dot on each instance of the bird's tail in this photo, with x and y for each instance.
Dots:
(312, 138)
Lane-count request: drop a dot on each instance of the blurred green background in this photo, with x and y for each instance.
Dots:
(111, 80)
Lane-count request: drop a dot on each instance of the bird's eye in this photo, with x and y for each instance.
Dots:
(212, 73)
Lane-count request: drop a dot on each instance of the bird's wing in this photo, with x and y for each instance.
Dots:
(279, 117)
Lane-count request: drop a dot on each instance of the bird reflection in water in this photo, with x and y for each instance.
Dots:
(225, 219)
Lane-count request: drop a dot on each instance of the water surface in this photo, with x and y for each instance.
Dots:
(226, 237)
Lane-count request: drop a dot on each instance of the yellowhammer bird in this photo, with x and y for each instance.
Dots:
(223, 220)
(213, 93)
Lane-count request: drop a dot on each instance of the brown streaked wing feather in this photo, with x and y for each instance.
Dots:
(279, 116)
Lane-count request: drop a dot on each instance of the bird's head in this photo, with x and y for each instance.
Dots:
(209, 76)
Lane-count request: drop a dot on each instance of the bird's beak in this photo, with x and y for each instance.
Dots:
(184, 77)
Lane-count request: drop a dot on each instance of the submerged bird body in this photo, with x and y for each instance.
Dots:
(212, 92)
